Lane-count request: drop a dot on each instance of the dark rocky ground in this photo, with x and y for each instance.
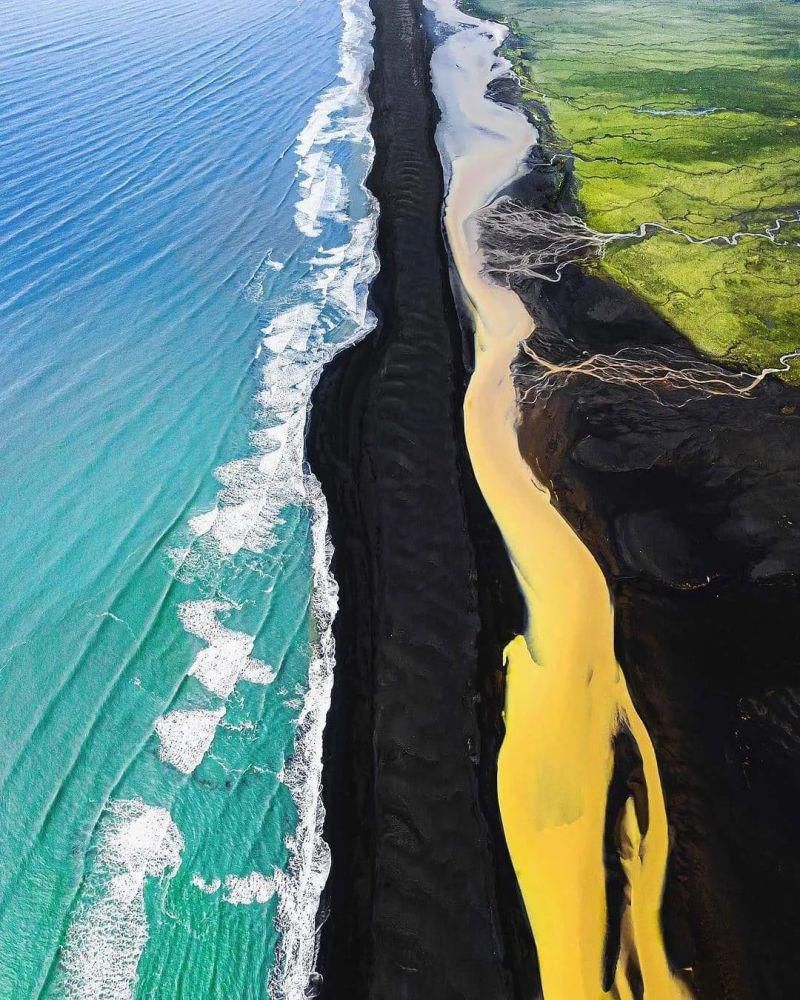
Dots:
(694, 514)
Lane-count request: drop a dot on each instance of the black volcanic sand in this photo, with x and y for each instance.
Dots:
(694, 515)
(421, 901)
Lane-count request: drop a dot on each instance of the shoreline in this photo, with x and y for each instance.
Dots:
(422, 900)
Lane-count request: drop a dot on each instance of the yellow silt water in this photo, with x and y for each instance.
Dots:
(566, 697)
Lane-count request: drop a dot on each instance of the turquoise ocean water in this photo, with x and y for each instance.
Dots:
(184, 240)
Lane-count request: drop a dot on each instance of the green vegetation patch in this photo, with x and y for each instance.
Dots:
(687, 114)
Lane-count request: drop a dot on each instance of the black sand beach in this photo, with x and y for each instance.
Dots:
(691, 511)
(422, 901)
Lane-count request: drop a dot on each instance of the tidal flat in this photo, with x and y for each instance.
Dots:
(686, 115)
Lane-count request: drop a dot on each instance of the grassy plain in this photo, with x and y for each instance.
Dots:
(685, 113)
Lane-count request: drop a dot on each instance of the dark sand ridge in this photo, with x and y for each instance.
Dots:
(421, 901)
(693, 512)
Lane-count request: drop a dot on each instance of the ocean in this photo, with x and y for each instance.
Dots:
(185, 240)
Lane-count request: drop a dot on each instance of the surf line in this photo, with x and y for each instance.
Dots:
(567, 702)
(324, 311)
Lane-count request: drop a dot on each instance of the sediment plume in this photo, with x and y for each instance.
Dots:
(523, 241)
(668, 375)
(687, 500)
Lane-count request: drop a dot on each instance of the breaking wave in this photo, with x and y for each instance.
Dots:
(107, 937)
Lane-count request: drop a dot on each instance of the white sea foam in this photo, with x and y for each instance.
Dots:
(344, 272)
(185, 736)
(291, 327)
(324, 194)
(209, 888)
(245, 726)
(106, 939)
(226, 659)
(343, 280)
(256, 489)
(257, 672)
(254, 289)
(239, 890)
(244, 890)
(300, 886)
(340, 115)
(202, 523)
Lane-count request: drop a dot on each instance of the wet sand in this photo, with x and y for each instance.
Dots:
(422, 901)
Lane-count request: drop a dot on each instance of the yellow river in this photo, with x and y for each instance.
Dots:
(566, 696)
